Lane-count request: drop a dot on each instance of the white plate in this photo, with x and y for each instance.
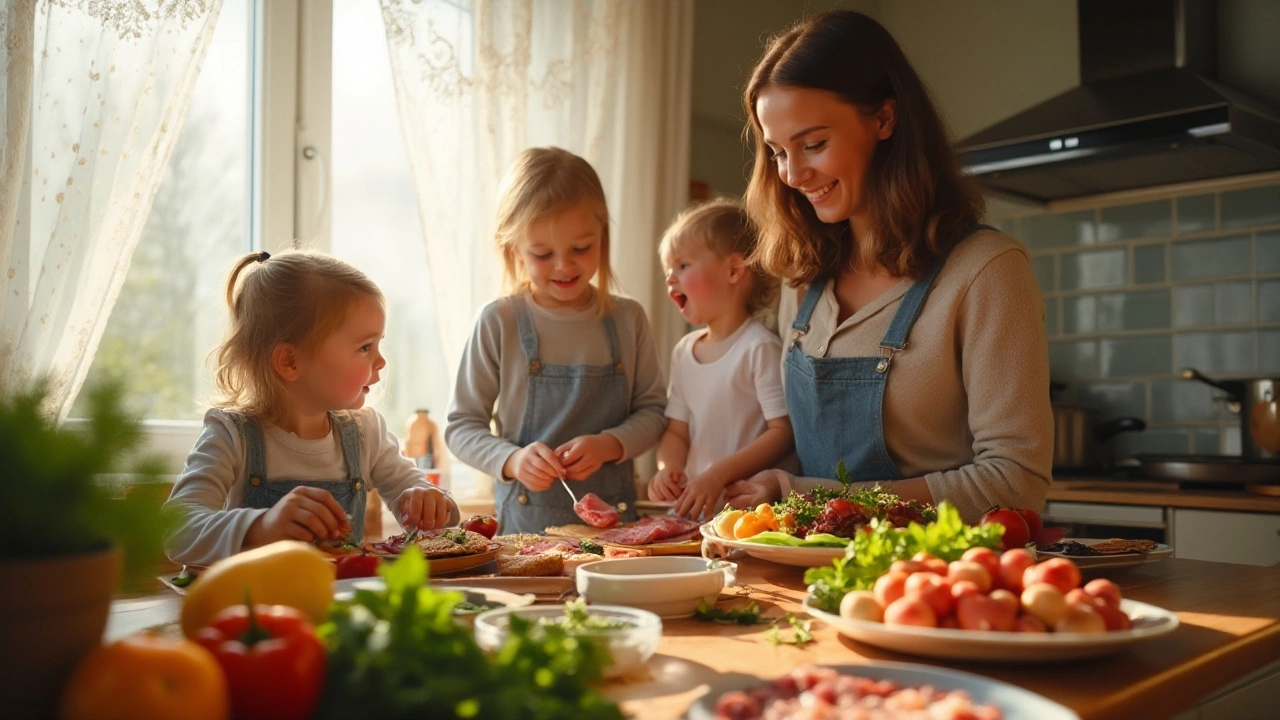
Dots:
(1149, 621)
(781, 554)
(1015, 703)
(1088, 562)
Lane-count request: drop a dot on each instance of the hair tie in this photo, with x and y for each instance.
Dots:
(263, 256)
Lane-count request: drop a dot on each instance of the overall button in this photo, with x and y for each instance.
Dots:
(522, 499)
(359, 485)
(622, 507)
(255, 481)
(535, 366)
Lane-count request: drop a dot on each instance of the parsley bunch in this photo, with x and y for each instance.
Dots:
(398, 653)
(870, 554)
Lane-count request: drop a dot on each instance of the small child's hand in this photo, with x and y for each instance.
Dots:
(699, 497)
(763, 487)
(535, 466)
(424, 508)
(583, 455)
(304, 513)
(667, 484)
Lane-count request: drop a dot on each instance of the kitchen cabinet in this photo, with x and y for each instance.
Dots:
(1252, 698)
(1232, 537)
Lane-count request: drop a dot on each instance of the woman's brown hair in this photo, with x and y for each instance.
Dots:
(297, 297)
(723, 226)
(918, 201)
(542, 182)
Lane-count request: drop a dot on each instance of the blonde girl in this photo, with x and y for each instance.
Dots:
(726, 412)
(289, 450)
(560, 378)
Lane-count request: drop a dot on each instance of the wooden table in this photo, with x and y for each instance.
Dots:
(1230, 617)
(1230, 627)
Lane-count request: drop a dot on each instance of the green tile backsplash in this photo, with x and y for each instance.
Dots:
(1137, 291)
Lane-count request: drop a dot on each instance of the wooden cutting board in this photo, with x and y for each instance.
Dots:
(586, 532)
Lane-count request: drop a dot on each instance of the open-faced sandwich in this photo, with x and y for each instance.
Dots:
(528, 555)
(450, 542)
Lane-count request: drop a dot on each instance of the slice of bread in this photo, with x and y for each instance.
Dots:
(530, 565)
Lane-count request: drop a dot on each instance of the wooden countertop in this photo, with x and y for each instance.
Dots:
(1230, 627)
(1166, 494)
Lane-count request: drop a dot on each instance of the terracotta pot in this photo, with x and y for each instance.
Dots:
(52, 612)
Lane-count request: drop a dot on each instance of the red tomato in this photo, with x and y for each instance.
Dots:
(1016, 533)
(1032, 518)
(357, 566)
(482, 524)
(272, 659)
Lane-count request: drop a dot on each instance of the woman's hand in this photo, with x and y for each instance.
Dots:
(304, 513)
(699, 497)
(424, 508)
(763, 487)
(667, 484)
(583, 455)
(535, 466)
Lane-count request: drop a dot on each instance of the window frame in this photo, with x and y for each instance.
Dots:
(290, 82)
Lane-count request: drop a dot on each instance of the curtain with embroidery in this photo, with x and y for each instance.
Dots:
(95, 95)
(477, 81)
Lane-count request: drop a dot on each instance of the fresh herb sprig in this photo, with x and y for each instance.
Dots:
(870, 554)
(749, 615)
(399, 653)
(800, 633)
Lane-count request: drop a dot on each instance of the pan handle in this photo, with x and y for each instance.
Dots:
(1235, 389)
(1106, 430)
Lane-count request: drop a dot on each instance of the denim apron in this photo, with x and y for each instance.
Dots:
(564, 402)
(351, 494)
(837, 404)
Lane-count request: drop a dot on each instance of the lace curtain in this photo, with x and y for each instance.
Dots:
(477, 81)
(95, 92)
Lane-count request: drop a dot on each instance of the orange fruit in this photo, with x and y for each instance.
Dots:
(142, 677)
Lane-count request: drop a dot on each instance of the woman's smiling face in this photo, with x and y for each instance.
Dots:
(822, 146)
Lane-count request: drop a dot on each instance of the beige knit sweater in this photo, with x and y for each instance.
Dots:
(967, 401)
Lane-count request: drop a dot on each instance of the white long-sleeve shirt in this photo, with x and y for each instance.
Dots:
(210, 490)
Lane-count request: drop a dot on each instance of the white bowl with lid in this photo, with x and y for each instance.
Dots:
(670, 586)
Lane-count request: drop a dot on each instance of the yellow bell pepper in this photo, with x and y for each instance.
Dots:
(287, 572)
(724, 523)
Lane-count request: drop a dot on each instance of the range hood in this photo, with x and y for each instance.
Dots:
(1148, 112)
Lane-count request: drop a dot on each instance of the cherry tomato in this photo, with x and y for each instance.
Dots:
(482, 524)
(357, 566)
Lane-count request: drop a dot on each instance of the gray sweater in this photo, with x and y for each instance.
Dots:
(489, 398)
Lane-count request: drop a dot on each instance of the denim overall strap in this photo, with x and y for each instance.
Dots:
(837, 404)
(564, 402)
(350, 492)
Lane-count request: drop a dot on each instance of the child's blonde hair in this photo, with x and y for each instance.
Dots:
(298, 297)
(723, 227)
(539, 183)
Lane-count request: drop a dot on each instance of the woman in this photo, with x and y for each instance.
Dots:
(915, 345)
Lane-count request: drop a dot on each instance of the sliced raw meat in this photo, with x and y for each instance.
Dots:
(558, 546)
(596, 512)
(650, 530)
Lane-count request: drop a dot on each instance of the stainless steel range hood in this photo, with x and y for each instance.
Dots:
(1147, 112)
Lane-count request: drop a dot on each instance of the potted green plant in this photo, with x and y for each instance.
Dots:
(65, 537)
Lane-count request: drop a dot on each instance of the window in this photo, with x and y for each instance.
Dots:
(375, 223)
(171, 310)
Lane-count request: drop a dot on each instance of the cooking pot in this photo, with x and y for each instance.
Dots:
(1257, 402)
(1080, 442)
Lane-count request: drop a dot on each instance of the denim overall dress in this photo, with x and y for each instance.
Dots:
(351, 493)
(837, 404)
(564, 402)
